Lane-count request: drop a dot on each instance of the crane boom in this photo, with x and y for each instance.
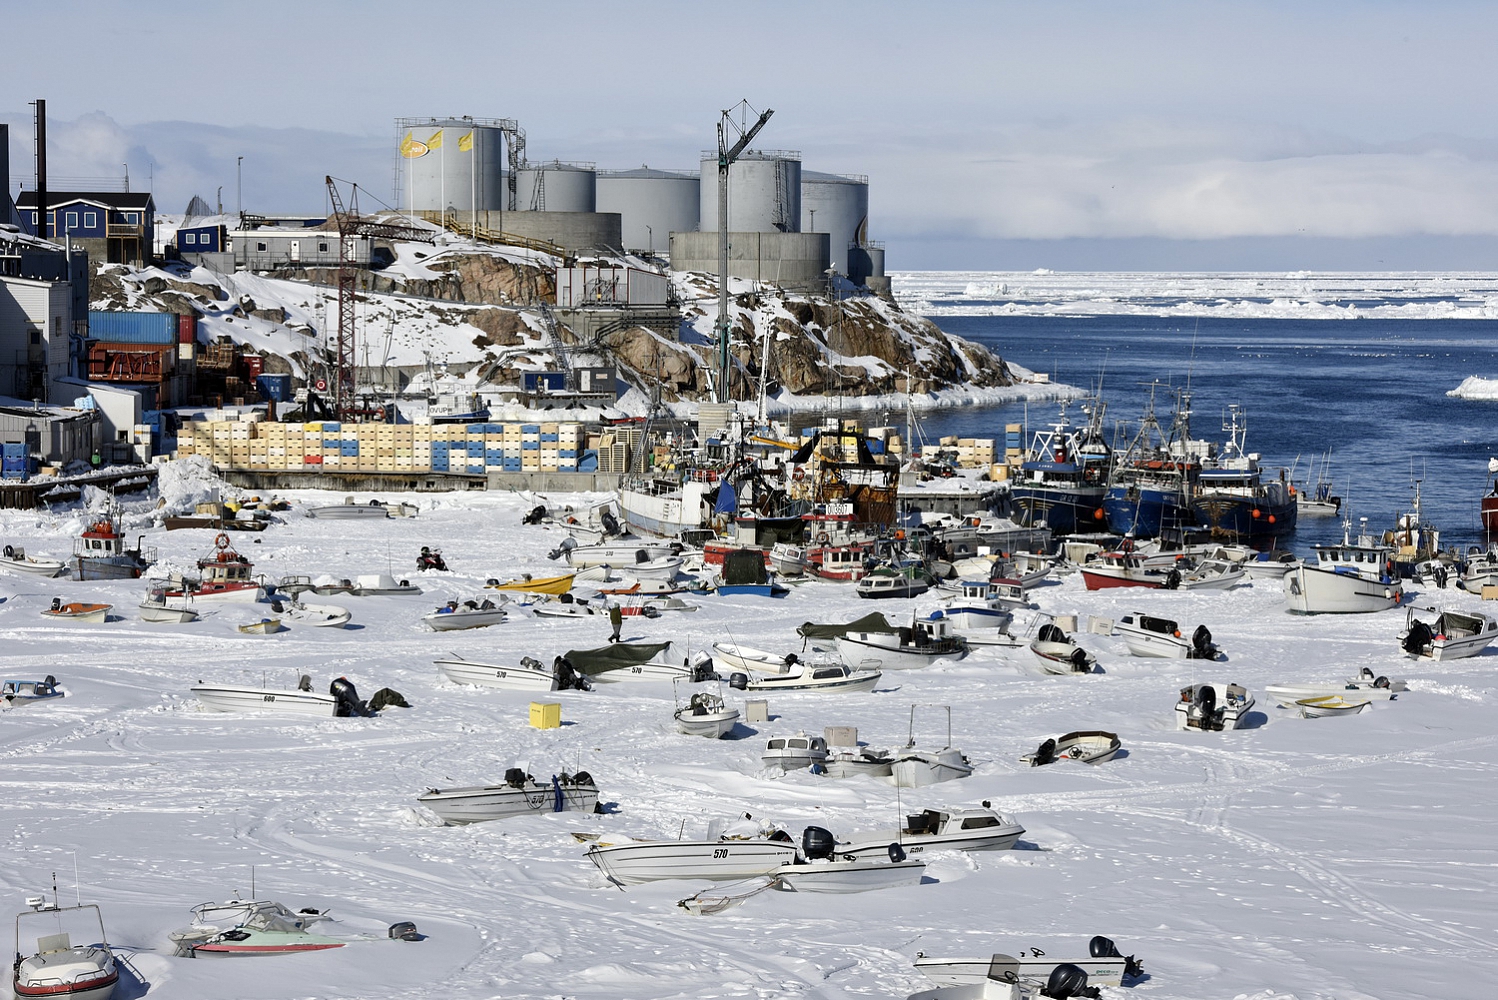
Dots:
(726, 156)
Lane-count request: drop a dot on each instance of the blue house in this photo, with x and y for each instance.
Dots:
(202, 239)
(114, 226)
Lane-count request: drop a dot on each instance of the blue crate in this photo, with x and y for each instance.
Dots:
(530, 428)
(549, 437)
(567, 453)
(512, 465)
(530, 446)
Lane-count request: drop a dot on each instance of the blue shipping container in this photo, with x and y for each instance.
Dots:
(276, 388)
(133, 327)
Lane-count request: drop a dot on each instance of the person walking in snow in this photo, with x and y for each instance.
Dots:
(616, 619)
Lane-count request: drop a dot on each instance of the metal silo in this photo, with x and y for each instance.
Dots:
(836, 204)
(556, 187)
(455, 164)
(764, 192)
(652, 204)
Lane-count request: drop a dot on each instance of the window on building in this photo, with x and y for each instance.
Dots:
(260, 248)
(72, 220)
(90, 220)
(322, 248)
(36, 336)
(52, 221)
(132, 217)
(189, 239)
(33, 218)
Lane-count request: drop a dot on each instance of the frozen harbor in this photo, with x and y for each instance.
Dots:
(1304, 858)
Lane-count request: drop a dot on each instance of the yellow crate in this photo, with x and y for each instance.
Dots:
(546, 715)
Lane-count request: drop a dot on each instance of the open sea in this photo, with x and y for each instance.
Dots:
(1370, 384)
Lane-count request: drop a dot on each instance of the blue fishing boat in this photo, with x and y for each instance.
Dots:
(1233, 502)
(1061, 485)
(1150, 490)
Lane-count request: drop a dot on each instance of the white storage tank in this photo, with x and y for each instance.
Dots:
(652, 204)
(556, 187)
(764, 192)
(838, 205)
(450, 163)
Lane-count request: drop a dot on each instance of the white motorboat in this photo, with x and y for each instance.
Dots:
(263, 927)
(1084, 746)
(17, 561)
(520, 795)
(1149, 636)
(567, 606)
(381, 585)
(662, 568)
(1271, 565)
(1350, 578)
(1481, 570)
(789, 560)
(453, 616)
(839, 875)
(78, 611)
(978, 608)
(58, 968)
(937, 830)
(374, 509)
(1058, 653)
(791, 753)
(889, 582)
(665, 603)
(1212, 706)
(265, 626)
(1213, 574)
(620, 553)
(1104, 966)
(737, 656)
(723, 859)
(1452, 636)
(529, 675)
(918, 768)
(1365, 685)
(919, 645)
(1330, 705)
(639, 661)
(157, 607)
(312, 615)
(265, 701)
(705, 714)
(18, 689)
(861, 761)
(808, 677)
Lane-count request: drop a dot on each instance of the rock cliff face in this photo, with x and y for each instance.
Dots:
(852, 346)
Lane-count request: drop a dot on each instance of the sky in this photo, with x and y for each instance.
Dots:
(1112, 136)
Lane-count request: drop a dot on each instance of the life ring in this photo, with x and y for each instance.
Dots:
(799, 475)
(222, 541)
(379, 413)
(823, 538)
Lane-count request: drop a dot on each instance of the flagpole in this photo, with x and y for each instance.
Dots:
(473, 177)
(442, 171)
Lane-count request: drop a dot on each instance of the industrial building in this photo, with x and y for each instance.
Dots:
(838, 205)
(652, 204)
(55, 434)
(556, 187)
(267, 249)
(764, 192)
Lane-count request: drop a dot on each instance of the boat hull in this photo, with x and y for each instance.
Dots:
(1232, 517)
(264, 701)
(159, 613)
(33, 980)
(876, 844)
(1289, 694)
(715, 860)
(34, 567)
(854, 680)
(711, 725)
(92, 614)
(1064, 511)
(848, 876)
(1331, 705)
(866, 650)
(1146, 512)
(917, 770)
(1313, 591)
(490, 675)
(456, 620)
(971, 971)
(556, 586)
(481, 804)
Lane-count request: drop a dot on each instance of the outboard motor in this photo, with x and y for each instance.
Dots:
(582, 778)
(896, 853)
(1102, 947)
(642, 556)
(515, 777)
(565, 546)
(1417, 638)
(1204, 705)
(404, 930)
(1201, 643)
(305, 684)
(1068, 980)
(817, 843)
(278, 607)
(1172, 582)
(1079, 661)
(702, 667)
(1049, 632)
(610, 524)
(534, 515)
(347, 703)
(738, 681)
(1381, 682)
(57, 604)
(1046, 754)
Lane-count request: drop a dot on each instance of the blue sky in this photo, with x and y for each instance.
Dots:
(1102, 135)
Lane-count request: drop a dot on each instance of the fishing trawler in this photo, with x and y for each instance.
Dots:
(1063, 482)
(1151, 486)
(1233, 501)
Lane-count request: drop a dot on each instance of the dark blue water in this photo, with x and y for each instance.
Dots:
(1372, 391)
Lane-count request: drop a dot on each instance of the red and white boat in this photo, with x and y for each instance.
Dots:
(1123, 569)
(58, 967)
(226, 577)
(1489, 504)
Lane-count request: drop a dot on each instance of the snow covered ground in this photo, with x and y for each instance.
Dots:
(1343, 858)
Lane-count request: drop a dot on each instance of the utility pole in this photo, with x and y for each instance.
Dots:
(726, 156)
(239, 188)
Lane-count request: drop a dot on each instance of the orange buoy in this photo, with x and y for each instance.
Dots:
(1097, 515)
(1271, 518)
(1256, 512)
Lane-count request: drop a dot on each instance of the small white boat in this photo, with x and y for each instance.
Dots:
(1058, 653)
(381, 585)
(265, 626)
(1271, 565)
(661, 568)
(838, 875)
(1481, 570)
(312, 615)
(374, 509)
(722, 860)
(1355, 577)
(1213, 574)
(919, 645)
(1104, 966)
(1330, 705)
(808, 677)
(737, 656)
(157, 607)
(13, 690)
(1365, 685)
(530, 675)
(17, 561)
(58, 968)
(620, 553)
(1087, 747)
(639, 661)
(77, 611)
(791, 753)
(918, 768)
(1453, 635)
(1212, 706)
(854, 762)
(890, 582)
(705, 714)
(453, 616)
(520, 795)
(937, 830)
(788, 560)
(977, 609)
(1149, 636)
(261, 700)
(250, 927)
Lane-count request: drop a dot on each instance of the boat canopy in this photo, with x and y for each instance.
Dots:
(872, 622)
(744, 567)
(613, 657)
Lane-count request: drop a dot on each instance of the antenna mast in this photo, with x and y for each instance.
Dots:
(726, 155)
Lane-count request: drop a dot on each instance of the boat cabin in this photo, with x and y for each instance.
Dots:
(1163, 626)
(100, 539)
(224, 566)
(929, 821)
(1365, 557)
(797, 743)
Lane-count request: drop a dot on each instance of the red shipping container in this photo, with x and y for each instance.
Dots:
(187, 329)
(253, 363)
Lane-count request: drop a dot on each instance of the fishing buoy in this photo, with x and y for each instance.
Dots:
(1256, 513)
(1097, 515)
(1271, 518)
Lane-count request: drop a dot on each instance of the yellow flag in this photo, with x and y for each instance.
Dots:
(412, 148)
(465, 143)
(435, 142)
